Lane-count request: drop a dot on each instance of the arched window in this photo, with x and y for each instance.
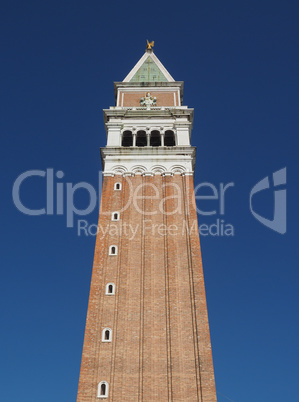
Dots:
(169, 140)
(115, 216)
(110, 289)
(113, 250)
(155, 140)
(117, 186)
(141, 140)
(107, 335)
(103, 388)
(127, 140)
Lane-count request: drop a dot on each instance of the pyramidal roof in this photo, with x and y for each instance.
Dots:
(149, 69)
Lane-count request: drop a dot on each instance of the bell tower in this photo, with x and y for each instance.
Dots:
(147, 332)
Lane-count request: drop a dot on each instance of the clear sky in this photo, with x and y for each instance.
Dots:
(239, 61)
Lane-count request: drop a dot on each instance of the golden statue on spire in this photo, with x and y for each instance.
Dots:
(149, 45)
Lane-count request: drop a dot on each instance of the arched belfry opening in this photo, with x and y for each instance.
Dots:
(169, 139)
(155, 139)
(141, 140)
(127, 139)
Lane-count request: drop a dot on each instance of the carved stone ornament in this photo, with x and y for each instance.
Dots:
(148, 101)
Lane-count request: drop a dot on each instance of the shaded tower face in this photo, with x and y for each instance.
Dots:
(147, 333)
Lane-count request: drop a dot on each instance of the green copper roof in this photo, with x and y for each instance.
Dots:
(149, 72)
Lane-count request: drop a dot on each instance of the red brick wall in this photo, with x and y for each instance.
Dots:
(133, 98)
(160, 349)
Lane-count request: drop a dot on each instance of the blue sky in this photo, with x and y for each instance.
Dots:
(239, 61)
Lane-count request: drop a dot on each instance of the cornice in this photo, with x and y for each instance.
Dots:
(148, 159)
(140, 112)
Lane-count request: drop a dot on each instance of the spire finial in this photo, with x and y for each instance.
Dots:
(149, 46)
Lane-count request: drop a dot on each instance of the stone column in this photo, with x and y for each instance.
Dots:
(134, 132)
(162, 134)
(148, 136)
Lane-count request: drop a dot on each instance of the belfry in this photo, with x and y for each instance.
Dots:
(147, 333)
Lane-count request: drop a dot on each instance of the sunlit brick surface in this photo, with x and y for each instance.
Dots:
(163, 98)
(160, 349)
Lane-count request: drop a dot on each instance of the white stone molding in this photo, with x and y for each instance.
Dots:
(115, 216)
(100, 394)
(139, 169)
(120, 169)
(158, 169)
(144, 89)
(113, 248)
(178, 169)
(127, 128)
(124, 161)
(104, 335)
(153, 171)
(148, 174)
(107, 292)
